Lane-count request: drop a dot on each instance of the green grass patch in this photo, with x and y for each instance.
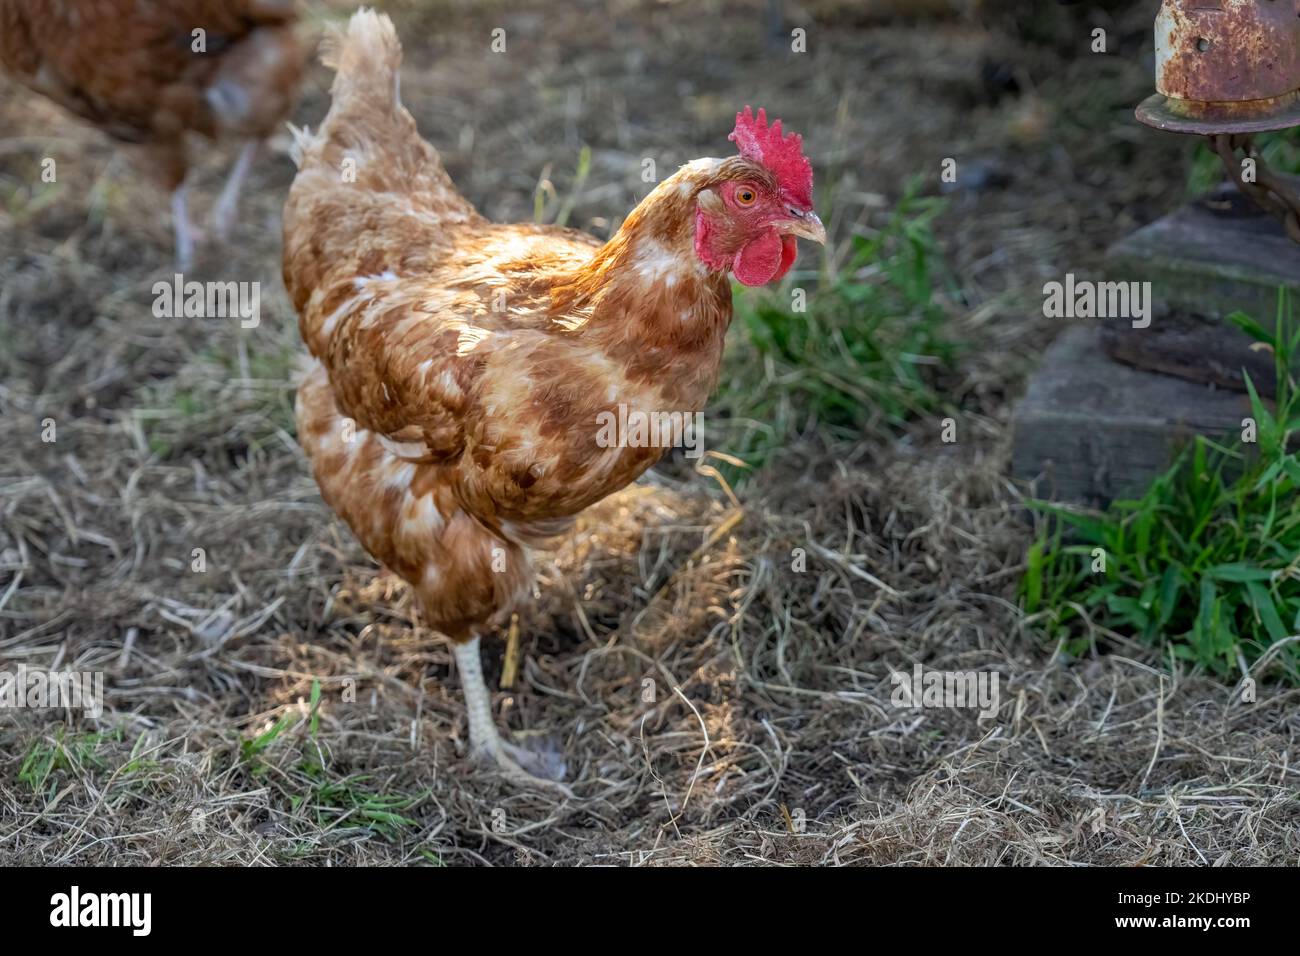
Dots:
(1206, 564)
(329, 801)
(856, 354)
(216, 401)
(51, 760)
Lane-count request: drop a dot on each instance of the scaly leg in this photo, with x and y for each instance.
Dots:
(484, 740)
(226, 210)
(186, 233)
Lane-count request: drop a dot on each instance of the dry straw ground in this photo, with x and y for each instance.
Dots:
(773, 687)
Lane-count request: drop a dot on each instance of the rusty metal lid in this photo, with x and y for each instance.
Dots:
(1207, 119)
(1226, 66)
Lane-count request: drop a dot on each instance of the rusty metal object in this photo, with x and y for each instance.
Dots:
(1226, 66)
(1267, 190)
(1227, 69)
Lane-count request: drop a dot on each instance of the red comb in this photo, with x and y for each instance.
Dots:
(783, 155)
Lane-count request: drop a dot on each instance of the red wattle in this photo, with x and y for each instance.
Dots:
(763, 259)
(789, 250)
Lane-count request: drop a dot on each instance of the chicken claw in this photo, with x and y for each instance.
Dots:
(543, 769)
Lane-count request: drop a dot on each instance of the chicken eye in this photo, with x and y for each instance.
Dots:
(745, 197)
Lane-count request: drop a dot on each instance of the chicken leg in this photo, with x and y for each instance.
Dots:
(226, 210)
(485, 741)
(187, 234)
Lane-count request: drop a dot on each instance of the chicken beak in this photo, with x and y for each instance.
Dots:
(806, 225)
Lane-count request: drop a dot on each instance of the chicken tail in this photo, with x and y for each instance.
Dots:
(365, 56)
(368, 139)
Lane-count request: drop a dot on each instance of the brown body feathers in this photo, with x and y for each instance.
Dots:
(131, 67)
(461, 365)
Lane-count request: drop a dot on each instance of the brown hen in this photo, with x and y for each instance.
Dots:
(149, 72)
(461, 367)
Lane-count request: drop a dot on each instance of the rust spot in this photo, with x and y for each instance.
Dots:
(1228, 51)
(1226, 66)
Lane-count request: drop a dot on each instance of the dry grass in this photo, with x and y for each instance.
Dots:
(772, 686)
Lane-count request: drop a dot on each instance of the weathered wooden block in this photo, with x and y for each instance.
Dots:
(1095, 429)
(1211, 258)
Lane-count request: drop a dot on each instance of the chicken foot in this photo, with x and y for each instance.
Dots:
(516, 763)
